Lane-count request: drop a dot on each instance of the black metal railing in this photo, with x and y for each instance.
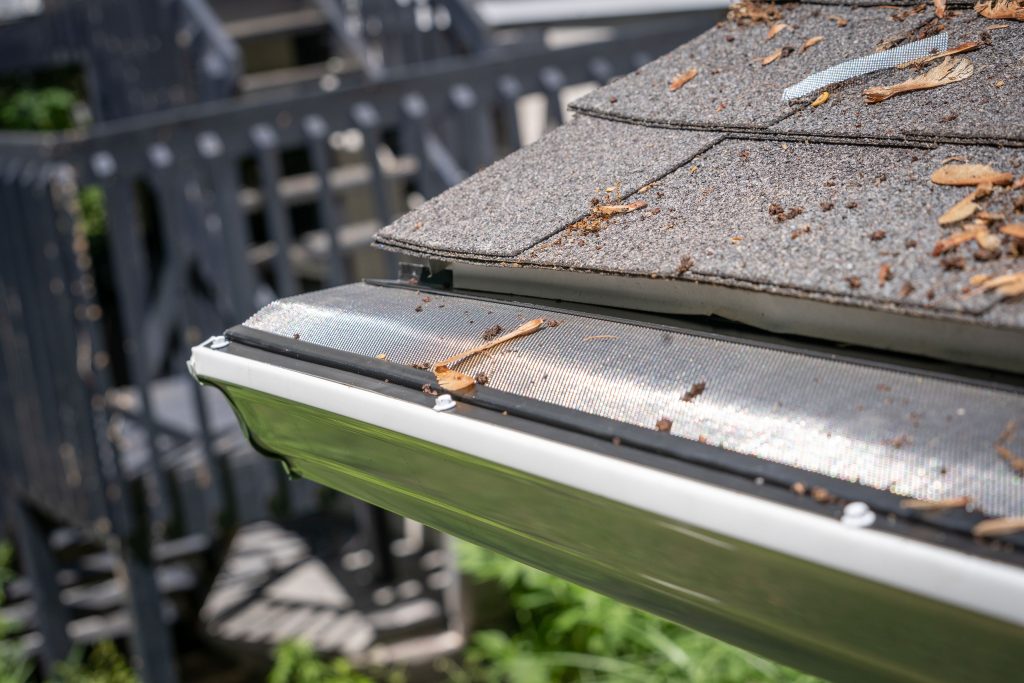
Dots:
(211, 211)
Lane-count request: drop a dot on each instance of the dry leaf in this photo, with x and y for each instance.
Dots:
(970, 174)
(988, 241)
(1001, 9)
(820, 99)
(962, 210)
(1006, 286)
(1013, 230)
(811, 42)
(1011, 458)
(775, 29)
(840, 21)
(752, 12)
(943, 504)
(381, 356)
(613, 209)
(453, 380)
(772, 57)
(1019, 184)
(884, 273)
(682, 79)
(959, 49)
(1000, 526)
(951, 70)
(940, 8)
(990, 217)
(976, 280)
(956, 239)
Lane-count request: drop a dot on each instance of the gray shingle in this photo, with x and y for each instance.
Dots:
(532, 193)
(718, 215)
(958, 111)
(732, 88)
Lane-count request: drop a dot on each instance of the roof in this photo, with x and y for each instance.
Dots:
(832, 202)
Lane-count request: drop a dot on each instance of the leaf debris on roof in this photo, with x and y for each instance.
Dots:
(747, 12)
(951, 70)
(682, 79)
(811, 42)
(970, 174)
(775, 29)
(1001, 9)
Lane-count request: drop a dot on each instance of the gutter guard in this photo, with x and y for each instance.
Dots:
(715, 551)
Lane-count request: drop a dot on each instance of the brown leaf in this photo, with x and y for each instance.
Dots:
(956, 239)
(840, 21)
(1006, 286)
(1011, 458)
(453, 380)
(820, 99)
(1000, 526)
(693, 392)
(940, 9)
(811, 42)
(682, 79)
(1019, 184)
(970, 174)
(1013, 230)
(927, 59)
(775, 29)
(1001, 9)
(772, 57)
(884, 273)
(951, 70)
(943, 504)
(613, 209)
(960, 211)
(753, 12)
(987, 241)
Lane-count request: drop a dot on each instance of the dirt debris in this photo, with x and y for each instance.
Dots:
(428, 390)
(884, 273)
(747, 12)
(663, 425)
(482, 378)
(492, 332)
(693, 392)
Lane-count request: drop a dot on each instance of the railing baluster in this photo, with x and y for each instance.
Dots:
(315, 129)
(279, 223)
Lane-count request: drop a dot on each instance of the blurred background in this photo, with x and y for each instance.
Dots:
(166, 168)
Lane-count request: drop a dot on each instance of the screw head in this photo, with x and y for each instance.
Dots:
(858, 514)
(444, 402)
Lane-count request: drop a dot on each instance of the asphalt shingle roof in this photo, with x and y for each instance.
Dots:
(724, 148)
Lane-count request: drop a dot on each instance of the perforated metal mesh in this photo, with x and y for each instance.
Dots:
(914, 435)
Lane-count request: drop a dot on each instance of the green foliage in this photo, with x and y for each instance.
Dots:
(296, 662)
(94, 212)
(568, 633)
(103, 664)
(47, 108)
(13, 666)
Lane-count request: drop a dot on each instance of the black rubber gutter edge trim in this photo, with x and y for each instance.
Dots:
(941, 523)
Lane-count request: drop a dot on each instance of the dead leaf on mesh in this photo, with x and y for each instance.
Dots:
(927, 59)
(811, 42)
(453, 380)
(956, 239)
(1011, 458)
(970, 174)
(682, 79)
(772, 57)
(1001, 9)
(1013, 230)
(943, 504)
(613, 209)
(951, 70)
(775, 29)
(940, 8)
(1001, 526)
(820, 99)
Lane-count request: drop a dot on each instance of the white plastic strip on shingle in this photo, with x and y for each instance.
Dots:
(865, 65)
(940, 574)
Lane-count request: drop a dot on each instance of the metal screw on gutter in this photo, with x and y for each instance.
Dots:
(858, 514)
(444, 402)
(218, 342)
